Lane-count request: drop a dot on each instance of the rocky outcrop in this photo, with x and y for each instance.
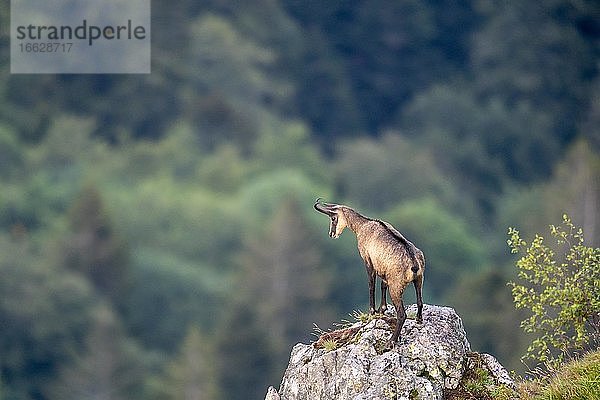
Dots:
(429, 360)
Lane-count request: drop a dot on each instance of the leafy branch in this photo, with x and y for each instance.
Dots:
(560, 286)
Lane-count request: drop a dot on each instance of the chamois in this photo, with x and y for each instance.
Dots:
(386, 254)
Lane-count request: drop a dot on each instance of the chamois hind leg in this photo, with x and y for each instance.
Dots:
(418, 282)
(383, 306)
(396, 295)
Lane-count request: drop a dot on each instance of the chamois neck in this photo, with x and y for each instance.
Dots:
(354, 219)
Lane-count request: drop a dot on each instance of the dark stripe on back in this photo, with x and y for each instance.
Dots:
(405, 242)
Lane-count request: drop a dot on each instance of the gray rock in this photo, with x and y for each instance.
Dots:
(427, 360)
(272, 394)
(500, 374)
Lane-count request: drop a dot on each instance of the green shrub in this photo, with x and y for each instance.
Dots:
(561, 288)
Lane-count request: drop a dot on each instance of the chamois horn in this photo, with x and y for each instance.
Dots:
(325, 208)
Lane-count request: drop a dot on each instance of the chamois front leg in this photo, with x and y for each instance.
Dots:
(383, 306)
(372, 277)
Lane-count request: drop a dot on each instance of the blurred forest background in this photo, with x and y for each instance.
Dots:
(157, 236)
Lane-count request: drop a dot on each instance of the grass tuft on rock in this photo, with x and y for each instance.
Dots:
(577, 379)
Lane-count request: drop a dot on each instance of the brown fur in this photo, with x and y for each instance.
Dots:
(387, 255)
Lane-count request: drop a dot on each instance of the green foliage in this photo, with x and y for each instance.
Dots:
(394, 168)
(243, 344)
(450, 248)
(259, 197)
(490, 143)
(325, 97)
(510, 68)
(486, 307)
(170, 294)
(67, 141)
(110, 366)
(574, 188)
(287, 145)
(176, 217)
(237, 64)
(11, 153)
(192, 375)
(45, 312)
(281, 288)
(560, 287)
(94, 249)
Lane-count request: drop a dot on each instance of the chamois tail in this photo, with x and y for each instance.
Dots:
(411, 252)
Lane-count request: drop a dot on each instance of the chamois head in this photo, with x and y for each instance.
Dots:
(337, 218)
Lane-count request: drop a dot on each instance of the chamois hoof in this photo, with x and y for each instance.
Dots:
(389, 345)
